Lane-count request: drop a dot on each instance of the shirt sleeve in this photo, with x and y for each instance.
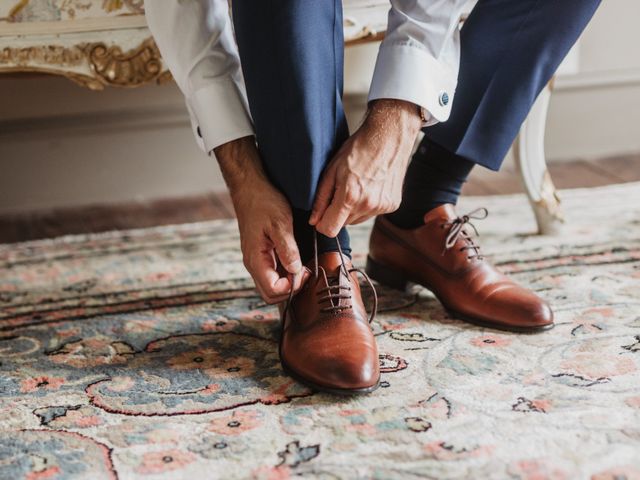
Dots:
(419, 58)
(195, 38)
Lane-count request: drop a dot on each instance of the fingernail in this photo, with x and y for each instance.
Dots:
(296, 280)
(301, 277)
(304, 274)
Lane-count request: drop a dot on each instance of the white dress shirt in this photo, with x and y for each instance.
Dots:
(418, 61)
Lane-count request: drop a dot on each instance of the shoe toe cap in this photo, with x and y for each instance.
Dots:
(354, 372)
(335, 368)
(519, 307)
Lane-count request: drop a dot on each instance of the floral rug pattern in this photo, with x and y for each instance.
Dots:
(148, 354)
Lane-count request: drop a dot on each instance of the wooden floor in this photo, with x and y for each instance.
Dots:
(576, 174)
(53, 223)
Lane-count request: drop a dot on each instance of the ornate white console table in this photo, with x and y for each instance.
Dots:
(95, 43)
(106, 43)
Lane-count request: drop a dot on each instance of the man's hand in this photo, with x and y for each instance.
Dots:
(366, 175)
(269, 248)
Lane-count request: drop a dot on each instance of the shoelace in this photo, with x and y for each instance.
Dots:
(334, 292)
(457, 230)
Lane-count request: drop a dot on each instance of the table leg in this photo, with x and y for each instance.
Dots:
(528, 150)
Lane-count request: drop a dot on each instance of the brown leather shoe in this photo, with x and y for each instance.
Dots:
(442, 256)
(326, 340)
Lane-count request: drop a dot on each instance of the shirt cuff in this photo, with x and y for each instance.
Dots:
(409, 73)
(220, 114)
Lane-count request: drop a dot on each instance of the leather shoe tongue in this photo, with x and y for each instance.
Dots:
(446, 211)
(331, 263)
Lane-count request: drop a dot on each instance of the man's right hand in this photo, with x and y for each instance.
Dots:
(265, 222)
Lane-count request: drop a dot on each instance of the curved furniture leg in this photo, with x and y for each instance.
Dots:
(528, 150)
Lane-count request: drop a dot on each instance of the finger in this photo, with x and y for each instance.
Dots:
(356, 219)
(271, 286)
(334, 217)
(286, 248)
(324, 195)
(299, 279)
(270, 298)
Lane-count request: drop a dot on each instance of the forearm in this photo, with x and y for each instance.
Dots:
(388, 134)
(399, 115)
(240, 165)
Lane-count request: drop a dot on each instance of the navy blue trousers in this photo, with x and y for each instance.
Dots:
(510, 49)
(291, 53)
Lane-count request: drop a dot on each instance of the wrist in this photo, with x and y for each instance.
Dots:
(240, 165)
(394, 113)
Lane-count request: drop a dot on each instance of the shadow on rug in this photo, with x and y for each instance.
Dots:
(148, 353)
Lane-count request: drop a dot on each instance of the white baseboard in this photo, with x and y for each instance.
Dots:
(104, 123)
(598, 79)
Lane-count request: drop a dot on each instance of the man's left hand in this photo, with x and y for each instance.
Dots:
(365, 177)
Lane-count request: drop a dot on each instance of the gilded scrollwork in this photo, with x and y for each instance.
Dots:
(49, 54)
(125, 69)
(134, 6)
(105, 65)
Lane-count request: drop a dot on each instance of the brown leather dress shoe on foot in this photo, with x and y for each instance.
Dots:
(326, 340)
(442, 256)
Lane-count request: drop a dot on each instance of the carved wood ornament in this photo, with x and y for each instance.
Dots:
(109, 65)
(129, 69)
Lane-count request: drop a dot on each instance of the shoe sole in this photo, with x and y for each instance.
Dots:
(343, 392)
(394, 279)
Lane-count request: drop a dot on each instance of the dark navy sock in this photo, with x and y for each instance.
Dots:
(304, 237)
(435, 176)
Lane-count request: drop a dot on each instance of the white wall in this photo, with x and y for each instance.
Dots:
(61, 145)
(596, 112)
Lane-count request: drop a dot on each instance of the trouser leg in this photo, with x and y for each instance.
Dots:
(510, 51)
(292, 61)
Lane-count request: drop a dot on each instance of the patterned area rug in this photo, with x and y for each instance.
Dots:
(148, 354)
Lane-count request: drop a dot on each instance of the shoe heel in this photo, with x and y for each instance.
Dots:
(385, 275)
